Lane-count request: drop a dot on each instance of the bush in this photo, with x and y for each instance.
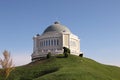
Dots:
(49, 55)
(81, 55)
(66, 50)
(65, 54)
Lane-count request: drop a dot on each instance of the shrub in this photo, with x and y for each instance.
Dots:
(67, 50)
(65, 54)
(81, 55)
(49, 55)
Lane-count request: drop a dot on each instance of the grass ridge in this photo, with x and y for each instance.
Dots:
(71, 68)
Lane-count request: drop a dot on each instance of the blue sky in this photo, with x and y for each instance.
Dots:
(96, 22)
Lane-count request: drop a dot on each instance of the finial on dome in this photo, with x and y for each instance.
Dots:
(56, 22)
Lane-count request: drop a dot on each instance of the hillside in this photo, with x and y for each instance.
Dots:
(71, 68)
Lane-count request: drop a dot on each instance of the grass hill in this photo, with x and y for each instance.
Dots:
(71, 68)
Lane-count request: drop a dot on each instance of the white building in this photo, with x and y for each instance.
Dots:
(53, 39)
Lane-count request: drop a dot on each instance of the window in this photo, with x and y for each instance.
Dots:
(41, 43)
(46, 43)
(57, 42)
(54, 42)
(51, 42)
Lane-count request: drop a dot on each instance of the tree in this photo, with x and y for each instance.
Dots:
(48, 55)
(6, 64)
(81, 55)
(66, 51)
(66, 54)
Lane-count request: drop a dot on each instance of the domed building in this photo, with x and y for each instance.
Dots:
(53, 39)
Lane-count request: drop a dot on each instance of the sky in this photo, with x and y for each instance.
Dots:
(95, 22)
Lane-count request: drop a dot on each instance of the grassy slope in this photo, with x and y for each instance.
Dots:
(71, 68)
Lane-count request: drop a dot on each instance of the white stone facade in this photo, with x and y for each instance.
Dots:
(54, 38)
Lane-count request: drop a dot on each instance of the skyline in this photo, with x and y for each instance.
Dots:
(96, 23)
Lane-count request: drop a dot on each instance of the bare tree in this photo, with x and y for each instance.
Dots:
(6, 64)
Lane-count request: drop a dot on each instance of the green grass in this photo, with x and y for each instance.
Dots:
(71, 68)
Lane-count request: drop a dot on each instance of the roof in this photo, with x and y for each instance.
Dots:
(57, 27)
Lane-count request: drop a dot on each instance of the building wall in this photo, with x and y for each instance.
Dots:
(74, 44)
(65, 40)
(54, 42)
(49, 43)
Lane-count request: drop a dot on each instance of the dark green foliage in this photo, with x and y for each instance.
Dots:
(66, 54)
(66, 50)
(49, 55)
(81, 55)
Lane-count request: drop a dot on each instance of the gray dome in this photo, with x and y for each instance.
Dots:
(56, 27)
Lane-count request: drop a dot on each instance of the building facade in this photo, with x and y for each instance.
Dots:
(53, 39)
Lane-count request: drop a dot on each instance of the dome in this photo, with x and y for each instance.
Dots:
(57, 27)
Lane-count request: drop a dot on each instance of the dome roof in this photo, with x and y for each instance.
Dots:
(56, 27)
